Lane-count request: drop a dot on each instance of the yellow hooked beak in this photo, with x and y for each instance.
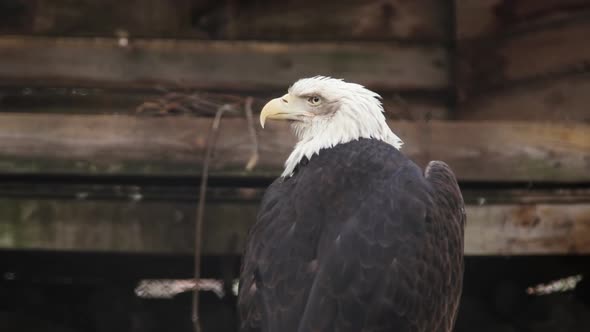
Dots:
(281, 109)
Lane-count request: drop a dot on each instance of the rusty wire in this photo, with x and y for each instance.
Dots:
(211, 142)
(204, 104)
(191, 103)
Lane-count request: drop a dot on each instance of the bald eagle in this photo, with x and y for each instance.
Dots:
(353, 236)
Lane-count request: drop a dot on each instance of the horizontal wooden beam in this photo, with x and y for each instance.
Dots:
(494, 63)
(556, 99)
(546, 229)
(102, 62)
(400, 106)
(167, 227)
(497, 78)
(476, 18)
(424, 20)
(175, 145)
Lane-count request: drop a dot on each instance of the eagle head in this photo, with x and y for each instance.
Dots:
(325, 112)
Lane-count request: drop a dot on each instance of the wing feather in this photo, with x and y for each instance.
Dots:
(386, 256)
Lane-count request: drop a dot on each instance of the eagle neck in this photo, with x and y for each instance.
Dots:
(360, 118)
(305, 149)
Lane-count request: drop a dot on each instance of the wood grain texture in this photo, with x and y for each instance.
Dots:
(528, 229)
(224, 65)
(166, 227)
(399, 106)
(561, 99)
(141, 18)
(423, 20)
(487, 64)
(119, 145)
(522, 60)
(480, 18)
(152, 227)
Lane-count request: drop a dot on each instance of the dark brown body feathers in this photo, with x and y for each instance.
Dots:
(358, 239)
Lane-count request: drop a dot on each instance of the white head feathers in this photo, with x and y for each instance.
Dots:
(334, 112)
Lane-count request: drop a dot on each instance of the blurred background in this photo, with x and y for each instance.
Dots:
(106, 113)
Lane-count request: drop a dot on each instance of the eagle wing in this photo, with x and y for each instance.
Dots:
(396, 264)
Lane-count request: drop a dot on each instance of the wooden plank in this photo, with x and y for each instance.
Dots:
(486, 64)
(119, 145)
(421, 20)
(399, 106)
(165, 227)
(152, 227)
(246, 66)
(478, 18)
(424, 20)
(141, 18)
(563, 99)
(497, 76)
(528, 229)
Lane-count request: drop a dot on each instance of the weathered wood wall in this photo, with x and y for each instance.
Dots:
(500, 222)
(216, 65)
(422, 20)
(173, 146)
(498, 89)
(523, 60)
(396, 47)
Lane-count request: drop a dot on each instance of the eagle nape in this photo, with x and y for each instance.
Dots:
(353, 236)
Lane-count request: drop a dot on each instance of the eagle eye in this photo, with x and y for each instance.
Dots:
(313, 100)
